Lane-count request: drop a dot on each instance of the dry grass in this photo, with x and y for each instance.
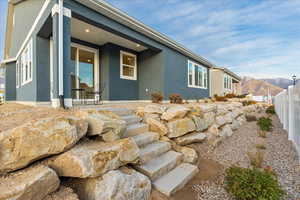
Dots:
(256, 158)
(260, 146)
(262, 134)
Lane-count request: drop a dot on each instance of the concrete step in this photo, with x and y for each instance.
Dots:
(145, 138)
(118, 111)
(160, 165)
(153, 150)
(136, 129)
(175, 179)
(131, 119)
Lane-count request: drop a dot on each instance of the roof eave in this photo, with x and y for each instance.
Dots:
(138, 26)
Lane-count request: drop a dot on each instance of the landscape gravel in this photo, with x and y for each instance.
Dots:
(280, 155)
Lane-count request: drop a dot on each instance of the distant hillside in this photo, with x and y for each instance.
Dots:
(280, 82)
(258, 87)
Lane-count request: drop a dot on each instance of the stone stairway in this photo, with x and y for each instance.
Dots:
(158, 161)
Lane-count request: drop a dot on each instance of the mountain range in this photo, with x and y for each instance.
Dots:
(260, 87)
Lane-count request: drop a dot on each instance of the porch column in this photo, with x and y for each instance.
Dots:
(66, 83)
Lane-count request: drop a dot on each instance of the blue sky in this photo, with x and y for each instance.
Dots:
(3, 9)
(251, 37)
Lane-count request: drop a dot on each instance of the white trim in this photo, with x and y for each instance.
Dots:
(193, 85)
(134, 78)
(27, 61)
(68, 102)
(96, 63)
(51, 71)
(61, 49)
(67, 11)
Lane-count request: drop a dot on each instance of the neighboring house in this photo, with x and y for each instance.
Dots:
(224, 81)
(54, 47)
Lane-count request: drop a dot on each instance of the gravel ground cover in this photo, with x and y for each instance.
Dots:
(280, 154)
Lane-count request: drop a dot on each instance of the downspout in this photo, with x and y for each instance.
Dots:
(61, 53)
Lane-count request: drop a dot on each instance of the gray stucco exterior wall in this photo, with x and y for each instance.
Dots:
(10, 82)
(43, 69)
(176, 77)
(118, 88)
(150, 73)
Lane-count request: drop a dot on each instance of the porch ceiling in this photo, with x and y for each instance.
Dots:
(92, 34)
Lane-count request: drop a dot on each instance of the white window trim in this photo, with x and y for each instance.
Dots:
(17, 74)
(29, 49)
(193, 76)
(227, 86)
(134, 67)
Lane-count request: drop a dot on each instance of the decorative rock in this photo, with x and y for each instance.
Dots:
(191, 138)
(180, 127)
(101, 122)
(226, 131)
(189, 154)
(222, 109)
(157, 126)
(32, 183)
(195, 110)
(220, 121)
(63, 193)
(208, 108)
(123, 184)
(228, 118)
(235, 125)
(35, 140)
(204, 122)
(140, 111)
(94, 158)
(213, 129)
(154, 109)
(174, 112)
(151, 116)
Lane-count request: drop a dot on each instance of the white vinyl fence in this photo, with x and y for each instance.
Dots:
(287, 106)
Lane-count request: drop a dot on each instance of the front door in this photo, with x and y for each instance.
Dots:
(86, 65)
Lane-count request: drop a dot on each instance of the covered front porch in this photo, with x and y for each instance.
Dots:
(100, 64)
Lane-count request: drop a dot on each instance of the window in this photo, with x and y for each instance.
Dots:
(128, 68)
(197, 75)
(18, 74)
(227, 82)
(24, 67)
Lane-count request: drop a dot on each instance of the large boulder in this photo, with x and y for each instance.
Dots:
(104, 123)
(122, 184)
(154, 109)
(189, 154)
(228, 118)
(226, 131)
(174, 112)
(180, 127)
(221, 120)
(94, 158)
(190, 138)
(202, 123)
(157, 126)
(235, 125)
(35, 140)
(33, 183)
(222, 109)
(63, 193)
(208, 108)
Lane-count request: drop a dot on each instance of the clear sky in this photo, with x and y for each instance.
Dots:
(3, 9)
(258, 38)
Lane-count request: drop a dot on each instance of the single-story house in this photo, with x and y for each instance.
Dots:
(57, 49)
(224, 81)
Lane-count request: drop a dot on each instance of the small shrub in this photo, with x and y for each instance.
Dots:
(265, 124)
(248, 103)
(256, 158)
(250, 184)
(176, 98)
(251, 118)
(271, 110)
(220, 98)
(260, 146)
(230, 95)
(241, 96)
(157, 97)
(262, 134)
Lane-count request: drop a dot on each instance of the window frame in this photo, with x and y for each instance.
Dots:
(26, 64)
(202, 75)
(227, 82)
(134, 77)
